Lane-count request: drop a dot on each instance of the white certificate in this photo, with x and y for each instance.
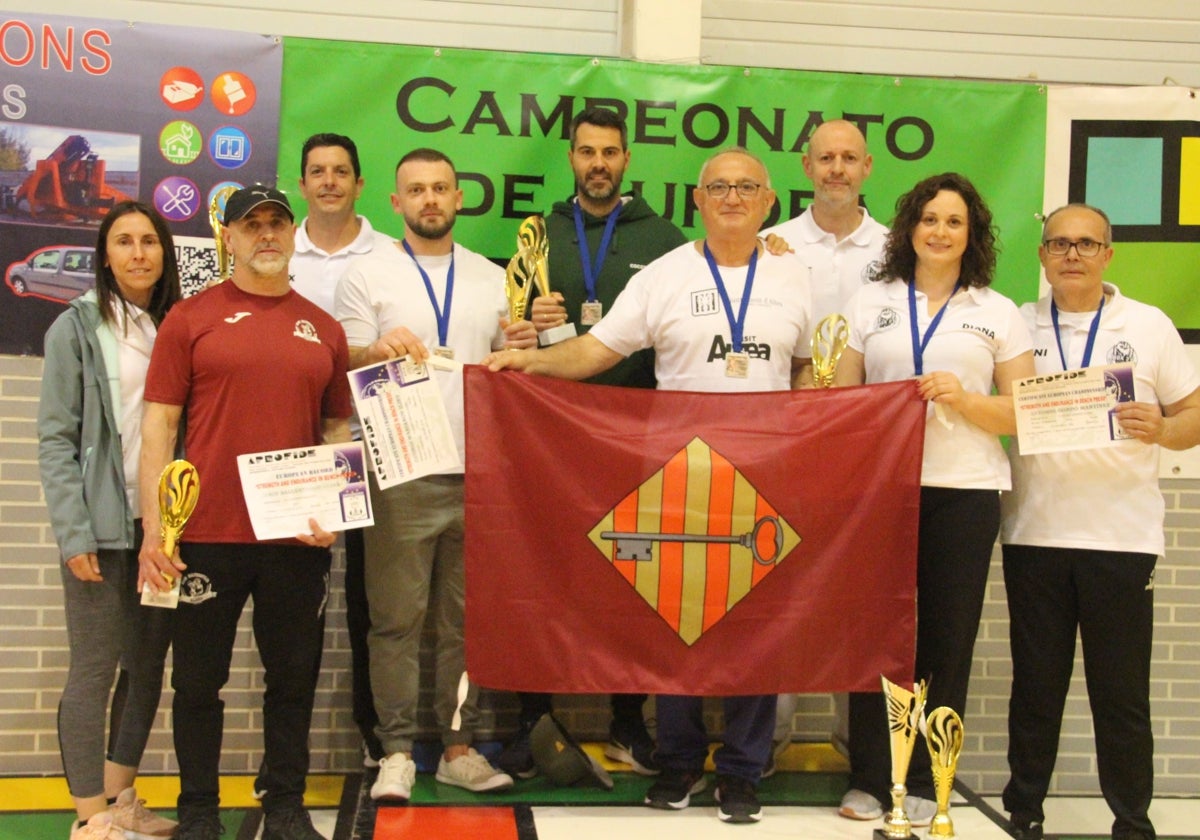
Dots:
(1073, 409)
(404, 423)
(285, 488)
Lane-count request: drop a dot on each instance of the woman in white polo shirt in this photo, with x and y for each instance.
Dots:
(930, 316)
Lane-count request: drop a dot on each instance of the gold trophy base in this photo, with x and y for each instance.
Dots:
(556, 334)
(896, 825)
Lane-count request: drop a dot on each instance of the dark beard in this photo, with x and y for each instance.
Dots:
(430, 230)
(614, 188)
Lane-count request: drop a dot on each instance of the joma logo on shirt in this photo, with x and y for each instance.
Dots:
(719, 349)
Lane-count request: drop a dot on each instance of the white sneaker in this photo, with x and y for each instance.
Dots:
(370, 762)
(131, 815)
(98, 827)
(472, 772)
(860, 805)
(397, 774)
(920, 810)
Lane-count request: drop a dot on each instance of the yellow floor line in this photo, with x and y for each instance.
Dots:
(160, 792)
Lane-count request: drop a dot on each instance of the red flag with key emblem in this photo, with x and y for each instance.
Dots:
(625, 540)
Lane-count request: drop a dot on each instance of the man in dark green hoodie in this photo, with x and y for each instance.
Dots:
(599, 238)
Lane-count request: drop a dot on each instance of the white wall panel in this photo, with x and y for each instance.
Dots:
(579, 27)
(1102, 41)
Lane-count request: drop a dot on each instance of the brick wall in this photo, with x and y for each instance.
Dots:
(33, 654)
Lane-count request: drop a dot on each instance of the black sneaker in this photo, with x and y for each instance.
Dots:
(674, 788)
(292, 823)
(517, 758)
(630, 743)
(199, 826)
(1126, 833)
(738, 800)
(1027, 831)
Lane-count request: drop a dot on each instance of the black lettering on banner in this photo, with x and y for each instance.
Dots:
(487, 112)
(611, 104)
(864, 121)
(797, 201)
(926, 138)
(531, 109)
(689, 125)
(489, 194)
(815, 118)
(422, 105)
(773, 136)
(644, 122)
(512, 195)
(676, 195)
(404, 104)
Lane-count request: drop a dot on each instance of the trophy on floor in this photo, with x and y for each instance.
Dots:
(216, 212)
(943, 731)
(904, 709)
(828, 343)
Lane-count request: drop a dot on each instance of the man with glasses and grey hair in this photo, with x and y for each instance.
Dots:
(723, 315)
(1082, 531)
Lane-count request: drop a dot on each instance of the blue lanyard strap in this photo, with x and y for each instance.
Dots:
(919, 342)
(442, 313)
(591, 271)
(1091, 339)
(737, 325)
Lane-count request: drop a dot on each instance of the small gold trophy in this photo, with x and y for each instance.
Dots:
(828, 344)
(178, 490)
(943, 730)
(216, 212)
(904, 710)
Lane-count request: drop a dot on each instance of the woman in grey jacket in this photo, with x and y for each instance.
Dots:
(89, 440)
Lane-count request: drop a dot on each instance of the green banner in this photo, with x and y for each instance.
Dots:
(503, 119)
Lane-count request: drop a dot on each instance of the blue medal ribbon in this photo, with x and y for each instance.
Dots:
(591, 271)
(442, 313)
(736, 326)
(919, 342)
(1091, 339)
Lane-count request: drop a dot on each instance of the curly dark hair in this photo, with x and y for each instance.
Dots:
(166, 291)
(978, 261)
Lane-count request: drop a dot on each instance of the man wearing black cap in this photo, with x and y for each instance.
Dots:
(258, 368)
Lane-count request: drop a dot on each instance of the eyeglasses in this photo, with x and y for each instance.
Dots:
(745, 189)
(1083, 247)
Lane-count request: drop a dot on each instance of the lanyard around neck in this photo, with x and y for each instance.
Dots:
(737, 325)
(1091, 338)
(919, 342)
(591, 271)
(442, 313)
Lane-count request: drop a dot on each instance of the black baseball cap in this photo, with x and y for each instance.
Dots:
(247, 198)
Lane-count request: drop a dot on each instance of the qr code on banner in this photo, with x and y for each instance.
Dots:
(197, 258)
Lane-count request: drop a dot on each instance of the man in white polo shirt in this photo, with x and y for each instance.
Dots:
(1082, 532)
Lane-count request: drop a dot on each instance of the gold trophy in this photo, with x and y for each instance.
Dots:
(904, 710)
(828, 343)
(943, 731)
(178, 490)
(216, 211)
(529, 269)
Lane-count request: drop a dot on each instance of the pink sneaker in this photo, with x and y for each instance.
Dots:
(99, 827)
(132, 817)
